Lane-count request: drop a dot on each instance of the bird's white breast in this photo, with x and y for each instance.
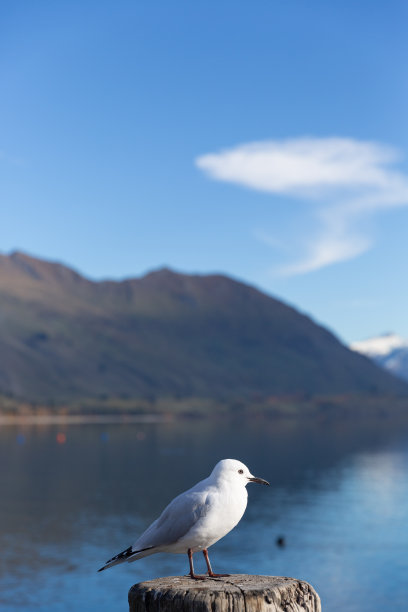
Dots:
(225, 506)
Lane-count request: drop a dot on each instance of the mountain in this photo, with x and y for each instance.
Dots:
(390, 351)
(64, 338)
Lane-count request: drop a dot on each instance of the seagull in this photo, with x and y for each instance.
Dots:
(197, 518)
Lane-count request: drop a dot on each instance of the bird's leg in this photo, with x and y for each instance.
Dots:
(210, 572)
(190, 560)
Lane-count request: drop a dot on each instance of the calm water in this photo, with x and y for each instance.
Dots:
(73, 496)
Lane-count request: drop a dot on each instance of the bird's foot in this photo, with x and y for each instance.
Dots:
(212, 575)
(197, 577)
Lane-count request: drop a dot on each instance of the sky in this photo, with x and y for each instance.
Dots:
(265, 140)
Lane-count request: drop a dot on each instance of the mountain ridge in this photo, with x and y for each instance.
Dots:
(389, 350)
(64, 337)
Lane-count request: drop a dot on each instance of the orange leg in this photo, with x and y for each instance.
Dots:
(210, 572)
(190, 560)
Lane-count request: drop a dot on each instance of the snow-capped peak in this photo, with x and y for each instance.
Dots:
(379, 345)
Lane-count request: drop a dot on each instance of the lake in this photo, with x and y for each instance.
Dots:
(73, 496)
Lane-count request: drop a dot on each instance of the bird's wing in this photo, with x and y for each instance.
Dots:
(175, 521)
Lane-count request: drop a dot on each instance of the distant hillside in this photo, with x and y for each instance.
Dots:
(389, 351)
(64, 337)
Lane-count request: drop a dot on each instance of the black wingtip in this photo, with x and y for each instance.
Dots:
(123, 556)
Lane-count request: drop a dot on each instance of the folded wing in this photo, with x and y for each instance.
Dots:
(175, 521)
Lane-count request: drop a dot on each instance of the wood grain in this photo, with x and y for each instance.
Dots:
(237, 593)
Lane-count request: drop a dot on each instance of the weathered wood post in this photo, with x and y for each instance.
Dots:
(237, 593)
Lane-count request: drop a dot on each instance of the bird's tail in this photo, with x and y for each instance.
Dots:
(126, 555)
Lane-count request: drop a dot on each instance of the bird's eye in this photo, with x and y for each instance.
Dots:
(240, 471)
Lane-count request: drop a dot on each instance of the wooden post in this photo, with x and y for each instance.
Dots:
(237, 593)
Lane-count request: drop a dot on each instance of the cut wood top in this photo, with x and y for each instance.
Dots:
(238, 592)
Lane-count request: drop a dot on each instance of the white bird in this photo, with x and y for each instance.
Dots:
(197, 518)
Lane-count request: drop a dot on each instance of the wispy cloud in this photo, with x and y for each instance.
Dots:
(344, 180)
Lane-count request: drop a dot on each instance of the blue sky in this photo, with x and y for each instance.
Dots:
(265, 140)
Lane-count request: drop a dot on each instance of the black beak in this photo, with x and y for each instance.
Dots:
(259, 481)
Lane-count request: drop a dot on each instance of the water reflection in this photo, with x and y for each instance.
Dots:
(73, 496)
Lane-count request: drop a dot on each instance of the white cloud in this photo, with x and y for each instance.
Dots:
(344, 179)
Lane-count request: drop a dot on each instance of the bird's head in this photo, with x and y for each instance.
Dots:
(235, 472)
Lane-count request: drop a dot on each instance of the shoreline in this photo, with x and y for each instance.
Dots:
(81, 419)
(341, 408)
